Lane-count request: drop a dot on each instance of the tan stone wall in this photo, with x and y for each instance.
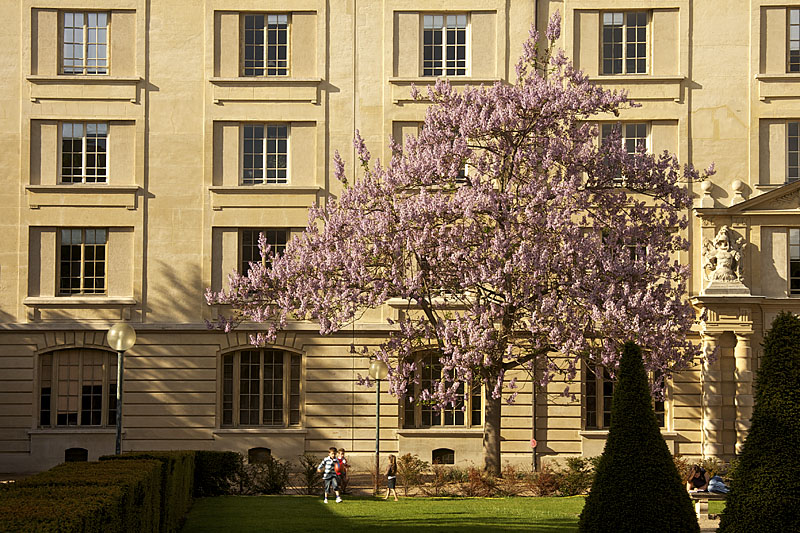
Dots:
(716, 90)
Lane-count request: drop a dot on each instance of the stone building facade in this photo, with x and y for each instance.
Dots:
(144, 144)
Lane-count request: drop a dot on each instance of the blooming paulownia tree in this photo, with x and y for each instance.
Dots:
(550, 249)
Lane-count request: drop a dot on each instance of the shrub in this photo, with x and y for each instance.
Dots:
(683, 466)
(311, 478)
(109, 496)
(577, 477)
(90, 509)
(437, 485)
(139, 483)
(268, 477)
(765, 488)
(177, 480)
(213, 471)
(410, 469)
(545, 482)
(636, 486)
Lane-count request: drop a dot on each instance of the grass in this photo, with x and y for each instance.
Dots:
(308, 513)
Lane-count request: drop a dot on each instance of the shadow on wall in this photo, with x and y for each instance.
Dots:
(175, 294)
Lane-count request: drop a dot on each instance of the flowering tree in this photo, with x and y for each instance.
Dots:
(550, 248)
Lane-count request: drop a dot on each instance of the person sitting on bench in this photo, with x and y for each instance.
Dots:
(698, 478)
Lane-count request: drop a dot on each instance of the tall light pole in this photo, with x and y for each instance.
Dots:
(121, 337)
(377, 371)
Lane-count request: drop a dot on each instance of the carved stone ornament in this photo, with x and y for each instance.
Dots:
(723, 264)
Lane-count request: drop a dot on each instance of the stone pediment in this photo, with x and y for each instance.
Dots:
(784, 199)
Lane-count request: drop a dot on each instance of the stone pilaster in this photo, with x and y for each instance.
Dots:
(711, 379)
(743, 376)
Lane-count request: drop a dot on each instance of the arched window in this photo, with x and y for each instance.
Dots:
(261, 388)
(77, 387)
(443, 456)
(258, 455)
(76, 455)
(467, 412)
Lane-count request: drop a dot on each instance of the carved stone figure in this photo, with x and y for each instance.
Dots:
(722, 258)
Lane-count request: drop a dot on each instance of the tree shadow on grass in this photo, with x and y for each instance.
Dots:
(309, 514)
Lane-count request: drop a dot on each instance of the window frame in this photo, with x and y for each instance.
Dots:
(443, 66)
(470, 411)
(243, 154)
(792, 60)
(624, 43)
(266, 44)
(623, 125)
(50, 372)
(83, 243)
(662, 411)
(793, 235)
(790, 168)
(63, 68)
(84, 141)
(291, 361)
(277, 248)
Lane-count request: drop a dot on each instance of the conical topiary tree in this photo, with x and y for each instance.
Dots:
(765, 485)
(636, 487)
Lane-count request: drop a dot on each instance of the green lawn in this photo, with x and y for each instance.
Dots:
(308, 513)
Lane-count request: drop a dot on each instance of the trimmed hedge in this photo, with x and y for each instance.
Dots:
(132, 492)
(177, 479)
(636, 486)
(90, 497)
(765, 487)
(213, 472)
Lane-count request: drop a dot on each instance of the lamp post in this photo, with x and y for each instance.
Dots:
(121, 337)
(377, 370)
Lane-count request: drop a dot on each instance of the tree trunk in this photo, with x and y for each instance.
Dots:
(491, 433)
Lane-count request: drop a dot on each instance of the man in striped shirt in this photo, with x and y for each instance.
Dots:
(328, 469)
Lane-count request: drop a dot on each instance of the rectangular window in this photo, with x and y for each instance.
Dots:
(266, 154)
(248, 250)
(794, 261)
(624, 45)
(444, 45)
(84, 152)
(85, 43)
(792, 151)
(632, 135)
(266, 45)
(82, 261)
(72, 385)
(422, 415)
(794, 40)
(261, 388)
(598, 396)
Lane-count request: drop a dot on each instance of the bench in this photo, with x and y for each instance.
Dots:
(701, 499)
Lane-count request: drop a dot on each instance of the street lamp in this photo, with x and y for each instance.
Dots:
(377, 371)
(121, 337)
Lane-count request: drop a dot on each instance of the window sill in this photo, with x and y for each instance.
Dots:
(401, 87)
(260, 431)
(82, 195)
(603, 434)
(644, 87)
(284, 196)
(783, 85)
(437, 433)
(78, 308)
(84, 87)
(265, 89)
(82, 301)
(73, 430)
